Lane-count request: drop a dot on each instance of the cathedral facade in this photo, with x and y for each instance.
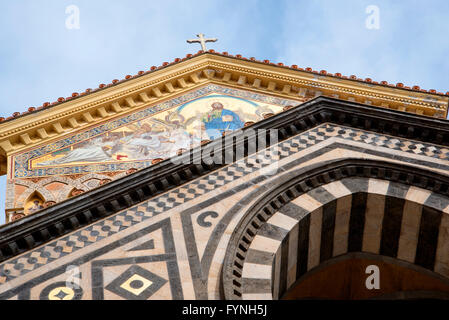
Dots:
(222, 177)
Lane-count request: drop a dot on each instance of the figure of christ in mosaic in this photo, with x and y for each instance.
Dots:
(220, 120)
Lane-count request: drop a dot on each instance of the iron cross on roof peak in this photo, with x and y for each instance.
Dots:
(202, 41)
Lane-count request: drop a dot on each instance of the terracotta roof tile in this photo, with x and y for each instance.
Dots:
(237, 56)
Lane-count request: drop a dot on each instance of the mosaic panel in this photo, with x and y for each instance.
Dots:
(157, 132)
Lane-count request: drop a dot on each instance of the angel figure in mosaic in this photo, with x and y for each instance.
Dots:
(177, 136)
(199, 132)
(139, 145)
(95, 150)
(174, 119)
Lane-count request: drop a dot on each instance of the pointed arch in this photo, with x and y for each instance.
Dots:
(32, 189)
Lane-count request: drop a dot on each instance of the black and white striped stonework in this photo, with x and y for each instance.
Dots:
(350, 215)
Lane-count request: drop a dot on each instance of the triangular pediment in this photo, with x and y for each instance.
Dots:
(65, 148)
(83, 110)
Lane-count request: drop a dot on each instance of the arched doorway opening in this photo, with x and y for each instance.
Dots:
(366, 276)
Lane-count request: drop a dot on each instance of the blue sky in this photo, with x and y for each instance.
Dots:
(41, 60)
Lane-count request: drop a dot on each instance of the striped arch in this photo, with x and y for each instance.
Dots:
(333, 212)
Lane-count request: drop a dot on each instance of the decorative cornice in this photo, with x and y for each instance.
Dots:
(334, 87)
(64, 217)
